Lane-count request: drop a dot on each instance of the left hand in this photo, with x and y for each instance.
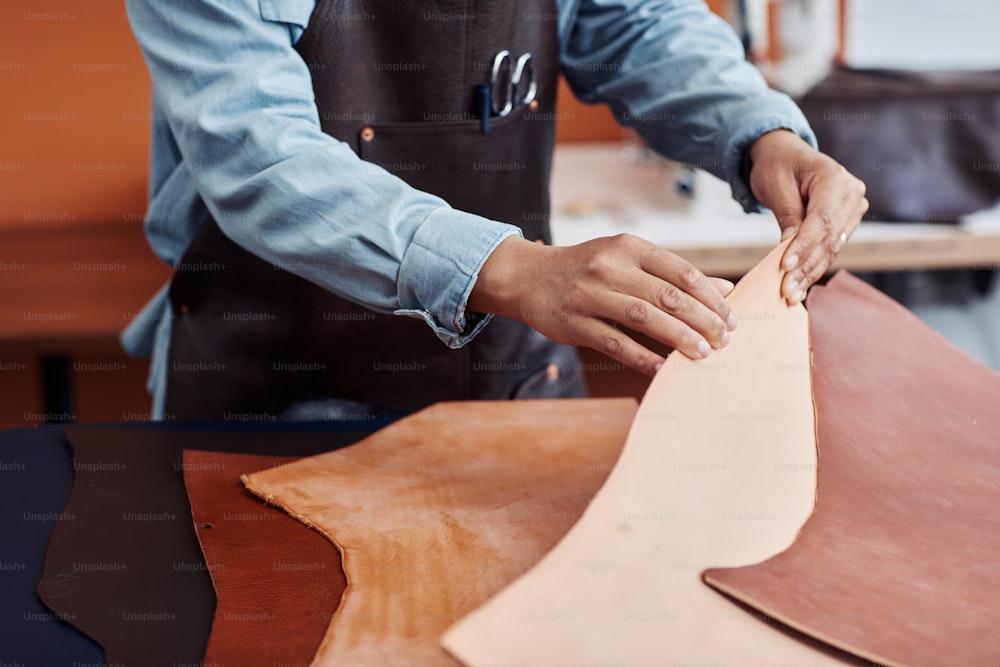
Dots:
(814, 198)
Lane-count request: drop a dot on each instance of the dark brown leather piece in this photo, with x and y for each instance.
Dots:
(898, 563)
(441, 510)
(124, 565)
(273, 576)
(404, 75)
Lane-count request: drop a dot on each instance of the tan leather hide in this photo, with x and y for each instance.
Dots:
(441, 510)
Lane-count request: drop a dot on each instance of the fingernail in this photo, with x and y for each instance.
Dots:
(792, 288)
(658, 366)
(791, 262)
(725, 339)
(731, 321)
(800, 296)
(704, 349)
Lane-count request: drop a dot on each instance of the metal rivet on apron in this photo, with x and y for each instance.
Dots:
(534, 105)
(367, 134)
(552, 372)
(184, 309)
(540, 241)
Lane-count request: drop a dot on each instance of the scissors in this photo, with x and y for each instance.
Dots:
(512, 83)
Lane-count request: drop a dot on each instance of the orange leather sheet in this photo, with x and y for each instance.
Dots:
(277, 583)
(900, 563)
(441, 510)
(719, 469)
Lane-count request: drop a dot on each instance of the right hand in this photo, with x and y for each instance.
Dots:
(578, 295)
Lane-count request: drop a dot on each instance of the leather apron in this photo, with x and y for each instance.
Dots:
(291, 340)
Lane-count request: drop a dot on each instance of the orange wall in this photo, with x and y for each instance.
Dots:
(720, 7)
(581, 122)
(74, 130)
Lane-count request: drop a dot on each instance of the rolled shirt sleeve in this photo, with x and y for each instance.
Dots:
(677, 74)
(238, 101)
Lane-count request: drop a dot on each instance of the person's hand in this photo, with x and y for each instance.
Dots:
(578, 295)
(813, 197)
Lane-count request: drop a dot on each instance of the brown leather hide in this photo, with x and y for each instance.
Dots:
(441, 510)
(273, 577)
(900, 562)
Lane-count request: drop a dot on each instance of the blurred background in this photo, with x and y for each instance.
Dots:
(903, 92)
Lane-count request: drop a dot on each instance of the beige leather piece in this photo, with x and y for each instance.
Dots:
(441, 510)
(719, 468)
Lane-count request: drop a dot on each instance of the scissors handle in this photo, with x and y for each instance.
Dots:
(505, 95)
(507, 79)
(524, 64)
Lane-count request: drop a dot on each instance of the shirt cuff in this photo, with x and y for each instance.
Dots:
(751, 127)
(440, 269)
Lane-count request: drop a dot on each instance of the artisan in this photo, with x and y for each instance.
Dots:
(354, 197)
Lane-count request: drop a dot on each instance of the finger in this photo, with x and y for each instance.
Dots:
(819, 227)
(812, 269)
(855, 202)
(668, 300)
(724, 286)
(824, 200)
(677, 279)
(825, 254)
(787, 205)
(642, 316)
(829, 250)
(853, 222)
(860, 209)
(605, 338)
(859, 215)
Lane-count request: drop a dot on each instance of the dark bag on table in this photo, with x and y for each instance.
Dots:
(926, 144)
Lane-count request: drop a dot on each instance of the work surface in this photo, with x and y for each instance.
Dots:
(601, 190)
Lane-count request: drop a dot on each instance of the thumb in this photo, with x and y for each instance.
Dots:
(780, 193)
(789, 211)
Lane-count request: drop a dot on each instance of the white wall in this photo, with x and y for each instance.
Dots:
(923, 34)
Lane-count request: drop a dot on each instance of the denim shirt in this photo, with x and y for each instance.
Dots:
(236, 133)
